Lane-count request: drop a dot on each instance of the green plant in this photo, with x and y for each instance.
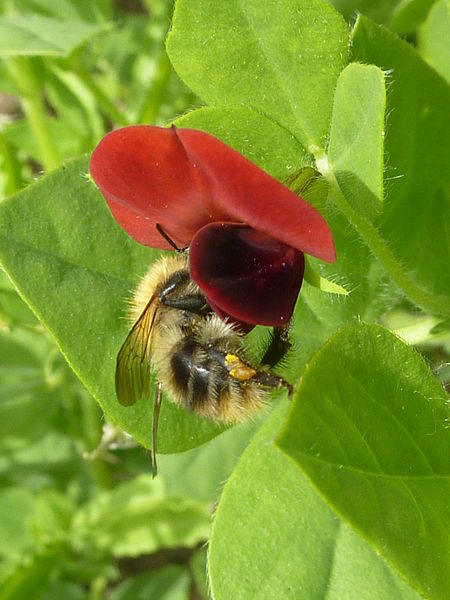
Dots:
(344, 493)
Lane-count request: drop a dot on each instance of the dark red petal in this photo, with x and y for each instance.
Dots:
(249, 195)
(239, 325)
(147, 178)
(246, 274)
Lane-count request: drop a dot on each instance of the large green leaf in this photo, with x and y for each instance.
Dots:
(279, 57)
(35, 36)
(369, 427)
(75, 267)
(415, 222)
(295, 546)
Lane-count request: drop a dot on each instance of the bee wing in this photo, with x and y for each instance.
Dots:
(133, 360)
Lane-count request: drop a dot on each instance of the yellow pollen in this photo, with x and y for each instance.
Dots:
(239, 370)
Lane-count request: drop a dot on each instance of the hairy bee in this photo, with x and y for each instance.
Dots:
(198, 358)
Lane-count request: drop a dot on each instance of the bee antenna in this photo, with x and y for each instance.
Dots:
(168, 238)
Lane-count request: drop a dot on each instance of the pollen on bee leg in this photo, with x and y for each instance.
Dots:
(238, 370)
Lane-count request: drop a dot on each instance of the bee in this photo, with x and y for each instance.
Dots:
(198, 358)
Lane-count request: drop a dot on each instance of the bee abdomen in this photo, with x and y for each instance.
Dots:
(199, 379)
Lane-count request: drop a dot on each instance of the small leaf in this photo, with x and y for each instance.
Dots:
(137, 518)
(433, 39)
(17, 505)
(169, 583)
(42, 36)
(409, 14)
(369, 426)
(321, 283)
(355, 149)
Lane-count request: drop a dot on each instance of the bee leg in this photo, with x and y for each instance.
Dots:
(156, 409)
(279, 346)
(193, 303)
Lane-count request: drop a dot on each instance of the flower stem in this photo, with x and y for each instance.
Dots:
(438, 305)
(22, 72)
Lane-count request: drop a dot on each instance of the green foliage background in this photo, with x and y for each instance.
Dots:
(345, 493)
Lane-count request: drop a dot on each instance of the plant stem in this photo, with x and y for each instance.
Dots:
(92, 429)
(438, 305)
(11, 167)
(97, 588)
(156, 93)
(22, 72)
(108, 107)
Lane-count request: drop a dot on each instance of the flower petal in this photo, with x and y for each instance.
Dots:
(246, 274)
(147, 178)
(184, 179)
(249, 195)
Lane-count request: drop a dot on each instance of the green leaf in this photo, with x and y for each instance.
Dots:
(63, 589)
(280, 58)
(201, 472)
(75, 267)
(69, 141)
(75, 103)
(94, 10)
(413, 244)
(13, 310)
(295, 547)
(43, 36)
(379, 11)
(369, 428)
(137, 518)
(320, 282)
(17, 505)
(409, 14)
(434, 36)
(168, 583)
(355, 150)
(260, 139)
(53, 514)
(32, 578)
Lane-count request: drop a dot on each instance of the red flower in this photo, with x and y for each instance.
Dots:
(246, 231)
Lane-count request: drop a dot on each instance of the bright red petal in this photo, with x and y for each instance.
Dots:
(246, 274)
(147, 178)
(249, 195)
(184, 179)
